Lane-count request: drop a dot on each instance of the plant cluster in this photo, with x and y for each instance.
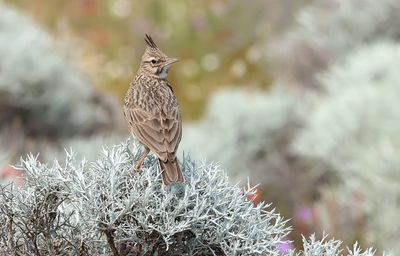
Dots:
(80, 208)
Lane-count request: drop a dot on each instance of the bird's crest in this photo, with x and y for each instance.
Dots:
(149, 41)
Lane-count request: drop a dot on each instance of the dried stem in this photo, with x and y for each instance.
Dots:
(110, 241)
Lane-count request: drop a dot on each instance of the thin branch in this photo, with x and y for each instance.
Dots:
(110, 241)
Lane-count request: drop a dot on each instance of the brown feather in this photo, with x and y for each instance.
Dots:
(153, 132)
(171, 172)
(153, 115)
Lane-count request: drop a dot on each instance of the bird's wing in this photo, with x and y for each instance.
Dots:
(160, 132)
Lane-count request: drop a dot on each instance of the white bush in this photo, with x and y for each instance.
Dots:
(39, 86)
(245, 132)
(99, 209)
(355, 129)
(332, 247)
(329, 30)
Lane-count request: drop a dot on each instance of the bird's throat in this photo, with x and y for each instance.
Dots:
(164, 73)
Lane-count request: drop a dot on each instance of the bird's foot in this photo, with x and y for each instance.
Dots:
(135, 169)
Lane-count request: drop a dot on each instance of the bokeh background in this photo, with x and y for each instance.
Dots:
(302, 97)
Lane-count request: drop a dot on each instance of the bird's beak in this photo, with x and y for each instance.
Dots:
(170, 61)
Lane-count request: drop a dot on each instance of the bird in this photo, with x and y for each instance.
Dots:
(153, 113)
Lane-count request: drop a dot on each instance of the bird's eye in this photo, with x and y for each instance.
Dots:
(153, 61)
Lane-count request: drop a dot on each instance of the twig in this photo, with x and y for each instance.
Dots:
(110, 240)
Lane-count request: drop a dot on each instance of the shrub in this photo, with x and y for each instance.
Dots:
(354, 129)
(245, 131)
(332, 247)
(249, 133)
(39, 88)
(98, 209)
(327, 31)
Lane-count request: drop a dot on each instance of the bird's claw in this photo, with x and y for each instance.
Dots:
(135, 169)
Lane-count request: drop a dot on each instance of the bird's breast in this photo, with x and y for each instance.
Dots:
(154, 99)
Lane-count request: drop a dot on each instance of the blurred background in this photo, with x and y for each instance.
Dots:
(300, 96)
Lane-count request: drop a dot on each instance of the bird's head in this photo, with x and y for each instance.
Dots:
(154, 61)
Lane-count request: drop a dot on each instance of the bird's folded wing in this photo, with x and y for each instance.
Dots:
(160, 132)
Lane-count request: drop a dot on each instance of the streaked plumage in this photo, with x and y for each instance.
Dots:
(153, 114)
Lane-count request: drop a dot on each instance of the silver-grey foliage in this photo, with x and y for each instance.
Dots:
(328, 30)
(39, 85)
(250, 134)
(246, 132)
(329, 247)
(355, 129)
(97, 208)
(83, 146)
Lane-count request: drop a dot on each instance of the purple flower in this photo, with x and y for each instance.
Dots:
(285, 246)
(304, 214)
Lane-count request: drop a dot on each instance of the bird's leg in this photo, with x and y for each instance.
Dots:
(138, 164)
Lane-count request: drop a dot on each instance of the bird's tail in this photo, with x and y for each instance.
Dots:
(171, 172)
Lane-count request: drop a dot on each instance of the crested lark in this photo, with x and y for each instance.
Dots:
(152, 112)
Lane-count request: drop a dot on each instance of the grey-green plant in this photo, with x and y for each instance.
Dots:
(245, 131)
(249, 133)
(83, 146)
(97, 208)
(354, 129)
(329, 247)
(327, 31)
(39, 87)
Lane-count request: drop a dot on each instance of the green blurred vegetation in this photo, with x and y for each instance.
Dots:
(219, 43)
